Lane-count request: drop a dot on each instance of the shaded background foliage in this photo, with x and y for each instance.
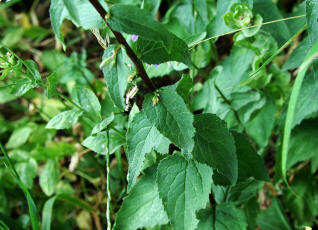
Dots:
(65, 111)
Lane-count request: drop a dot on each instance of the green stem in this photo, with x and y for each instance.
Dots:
(108, 216)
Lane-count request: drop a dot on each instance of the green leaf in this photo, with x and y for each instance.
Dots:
(22, 86)
(311, 55)
(171, 117)
(184, 187)
(64, 120)
(303, 205)
(52, 83)
(303, 143)
(308, 96)
(50, 177)
(97, 143)
(47, 213)
(250, 164)
(260, 127)
(184, 86)
(298, 54)
(116, 73)
(214, 146)
(133, 20)
(81, 13)
(19, 137)
(142, 207)
(273, 217)
(88, 101)
(141, 138)
(312, 20)
(269, 11)
(103, 124)
(227, 216)
(27, 171)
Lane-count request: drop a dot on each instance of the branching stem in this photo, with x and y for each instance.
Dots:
(121, 40)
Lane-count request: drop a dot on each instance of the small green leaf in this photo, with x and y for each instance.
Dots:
(184, 86)
(27, 171)
(116, 73)
(141, 138)
(19, 137)
(214, 146)
(171, 117)
(33, 70)
(103, 124)
(97, 143)
(142, 207)
(184, 187)
(88, 101)
(50, 177)
(64, 120)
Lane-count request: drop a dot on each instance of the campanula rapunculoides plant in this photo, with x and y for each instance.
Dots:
(150, 114)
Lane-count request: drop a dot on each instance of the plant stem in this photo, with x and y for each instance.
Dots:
(121, 40)
(109, 225)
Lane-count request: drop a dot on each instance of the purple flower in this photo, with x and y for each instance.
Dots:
(134, 37)
(156, 65)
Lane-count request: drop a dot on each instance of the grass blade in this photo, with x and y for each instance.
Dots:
(32, 207)
(311, 55)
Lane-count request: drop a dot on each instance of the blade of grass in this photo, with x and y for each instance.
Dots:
(32, 207)
(311, 55)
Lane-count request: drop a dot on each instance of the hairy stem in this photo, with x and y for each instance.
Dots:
(121, 40)
(109, 225)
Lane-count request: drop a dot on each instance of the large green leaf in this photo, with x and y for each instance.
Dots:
(64, 120)
(250, 164)
(27, 171)
(171, 117)
(97, 142)
(142, 207)
(116, 73)
(304, 204)
(312, 20)
(80, 12)
(184, 187)
(133, 20)
(50, 177)
(214, 146)
(141, 138)
(303, 143)
(273, 217)
(227, 216)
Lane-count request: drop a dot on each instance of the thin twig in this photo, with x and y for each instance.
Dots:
(121, 40)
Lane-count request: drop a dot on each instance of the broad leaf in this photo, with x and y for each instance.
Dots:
(27, 171)
(116, 73)
(97, 143)
(64, 120)
(312, 20)
(250, 164)
(80, 12)
(19, 137)
(133, 20)
(171, 117)
(273, 218)
(214, 146)
(142, 207)
(141, 138)
(50, 177)
(227, 216)
(184, 187)
(88, 101)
